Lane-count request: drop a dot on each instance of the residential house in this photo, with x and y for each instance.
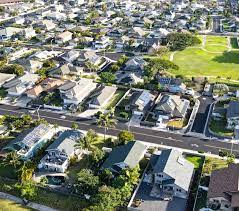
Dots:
(66, 69)
(135, 64)
(139, 102)
(74, 92)
(96, 60)
(64, 37)
(61, 151)
(19, 20)
(171, 106)
(28, 144)
(102, 43)
(223, 191)
(8, 32)
(102, 96)
(17, 86)
(29, 33)
(47, 25)
(131, 78)
(125, 156)
(169, 174)
(174, 85)
(4, 78)
(232, 114)
(70, 56)
(47, 85)
(31, 65)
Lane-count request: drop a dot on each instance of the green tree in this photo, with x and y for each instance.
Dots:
(26, 171)
(74, 126)
(125, 136)
(12, 158)
(106, 176)
(178, 41)
(87, 182)
(97, 155)
(28, 190)
(88, 141)
(107, 77)
(108, 198)
(13, 69)
(106, 121)
(3, 61)
(91, 66)
(115, 68)
(161, 51)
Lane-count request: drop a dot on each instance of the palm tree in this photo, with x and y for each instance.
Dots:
(88, 141)
(74, 126)
(55, 126)
(92, 67)
(12, 158)
(106, 121)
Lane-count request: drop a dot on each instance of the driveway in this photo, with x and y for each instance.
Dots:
(152, 204)
(135, 120)
(201, 117)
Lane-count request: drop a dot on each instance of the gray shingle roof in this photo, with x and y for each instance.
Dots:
(172, 163)
(66, 142)
(233, 109)
(130, 154)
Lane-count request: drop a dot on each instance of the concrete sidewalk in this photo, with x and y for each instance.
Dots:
(30, 204)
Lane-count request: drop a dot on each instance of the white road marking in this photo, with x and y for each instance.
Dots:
(65, 120)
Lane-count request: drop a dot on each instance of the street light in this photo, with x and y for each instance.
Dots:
(232, 142)
(38, 115)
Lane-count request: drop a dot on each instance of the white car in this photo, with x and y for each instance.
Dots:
(62, 117)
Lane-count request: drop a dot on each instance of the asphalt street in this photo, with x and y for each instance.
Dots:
(142, 134)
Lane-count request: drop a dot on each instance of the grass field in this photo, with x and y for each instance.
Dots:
(196, 160)
(7, 205)
(213, 60)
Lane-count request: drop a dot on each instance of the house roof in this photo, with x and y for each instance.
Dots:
(45, 85)
(233, 109)
(172, 163)
(173, 104)
(27, 78)
(130, 154)
(4, 77)
(224, 181)
(29, 138)
(104, 94)
(235, 200)
(66, 142)
(64, 34)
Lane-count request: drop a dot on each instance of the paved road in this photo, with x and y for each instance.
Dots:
(142, 134)
(201, 117)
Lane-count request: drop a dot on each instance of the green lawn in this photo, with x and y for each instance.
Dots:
(196, 160)
(197, 62)
(219, 127)
(234, 43)
(216, 40)
(7, 205)
(216, 48)
(212, 164)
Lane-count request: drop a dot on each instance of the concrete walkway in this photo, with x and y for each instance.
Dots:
(30, 204)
